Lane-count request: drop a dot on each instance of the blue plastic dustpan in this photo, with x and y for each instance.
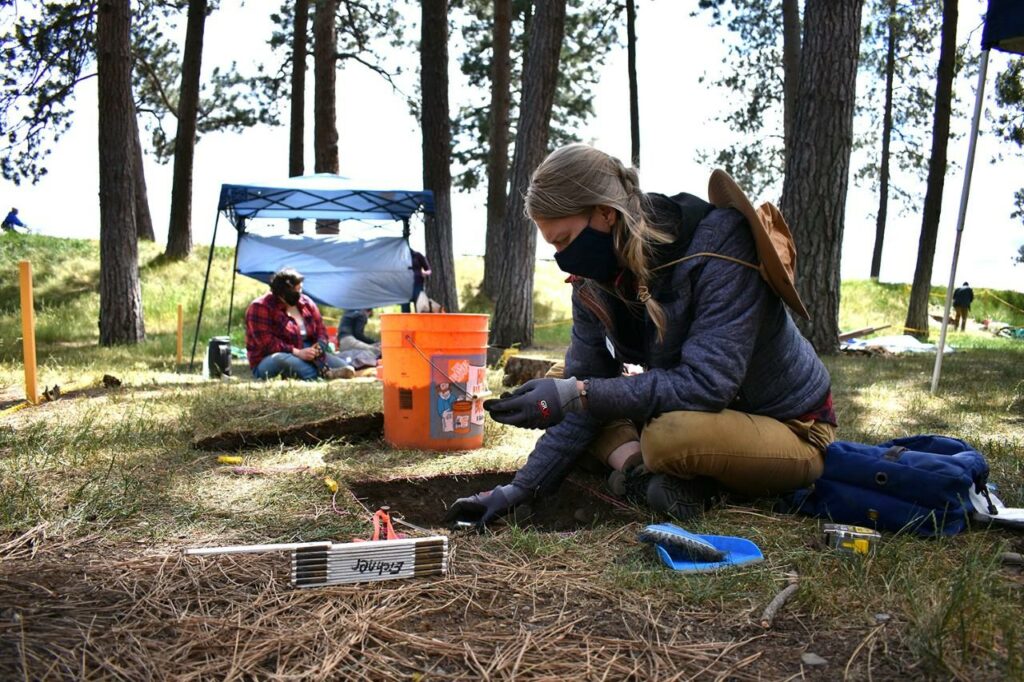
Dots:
(738, 551)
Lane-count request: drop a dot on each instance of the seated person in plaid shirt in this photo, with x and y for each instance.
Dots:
(285, 335)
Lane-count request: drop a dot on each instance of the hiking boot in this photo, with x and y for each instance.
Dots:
(679, 498)
(343, 372)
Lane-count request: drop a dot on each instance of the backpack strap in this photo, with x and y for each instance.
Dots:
(893, 453)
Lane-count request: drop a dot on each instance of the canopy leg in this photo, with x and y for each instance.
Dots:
(234, 276)
(202, 300)
(964, 194)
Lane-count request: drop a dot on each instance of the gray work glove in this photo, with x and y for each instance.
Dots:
(483, 507)
(537, 404)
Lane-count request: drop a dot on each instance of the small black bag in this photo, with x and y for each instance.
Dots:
(218, 357)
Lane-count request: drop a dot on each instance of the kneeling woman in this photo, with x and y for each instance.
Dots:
(732, 397)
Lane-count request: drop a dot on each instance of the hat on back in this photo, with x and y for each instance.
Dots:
(774, 241)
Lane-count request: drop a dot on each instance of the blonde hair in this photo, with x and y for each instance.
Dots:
(575, 179)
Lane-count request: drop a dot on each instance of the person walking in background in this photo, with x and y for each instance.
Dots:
(420, 271)
(12, 221)
(962, 299)
(285, 334)
(352, 332)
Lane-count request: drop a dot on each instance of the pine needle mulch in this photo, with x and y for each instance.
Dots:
(85, 608)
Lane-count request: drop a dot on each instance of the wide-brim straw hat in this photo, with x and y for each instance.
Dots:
(774, 241)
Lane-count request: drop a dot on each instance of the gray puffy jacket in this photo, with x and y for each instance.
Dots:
(729, 343)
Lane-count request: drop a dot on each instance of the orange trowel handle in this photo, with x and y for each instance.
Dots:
(382, 521)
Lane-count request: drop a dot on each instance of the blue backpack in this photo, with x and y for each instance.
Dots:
(921, 484)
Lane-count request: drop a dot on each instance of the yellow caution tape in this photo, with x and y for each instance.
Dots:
(1006, 303)
(14, 408)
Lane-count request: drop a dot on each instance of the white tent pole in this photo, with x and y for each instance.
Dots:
(964, 194)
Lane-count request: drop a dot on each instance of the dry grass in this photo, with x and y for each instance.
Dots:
(84, 609)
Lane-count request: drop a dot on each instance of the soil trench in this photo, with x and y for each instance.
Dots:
(579, 503)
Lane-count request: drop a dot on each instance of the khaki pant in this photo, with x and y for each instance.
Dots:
(960, 317)
(746, 453)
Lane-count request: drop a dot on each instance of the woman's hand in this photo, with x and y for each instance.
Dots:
(483, 507)
(537, 404)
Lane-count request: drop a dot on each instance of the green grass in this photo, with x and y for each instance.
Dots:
(120, 465)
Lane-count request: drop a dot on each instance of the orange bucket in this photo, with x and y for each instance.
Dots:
(436, 367)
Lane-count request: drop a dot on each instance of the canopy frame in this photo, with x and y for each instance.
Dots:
(241, 203)
(1004, 31)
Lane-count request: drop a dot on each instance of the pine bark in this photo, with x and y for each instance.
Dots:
(325, 103)
(297, 127)
(917, 311)
(513, 311)
(883, 169)
(497, 152)
(437, 142)
(179, 232)
(634, 96)
(143, 217)
(121, 320)
(790, 65)
(818, 160)
(631, 67)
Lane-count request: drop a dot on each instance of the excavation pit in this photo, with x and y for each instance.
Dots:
(580, 503)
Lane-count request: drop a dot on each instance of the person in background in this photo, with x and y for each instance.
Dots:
(352, 331)
(420, 271)
(285, 334)
(12, 221)
(962, 299)
(732, 396)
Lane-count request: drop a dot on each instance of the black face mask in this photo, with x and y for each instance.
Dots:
(591, 254)
(290, 296)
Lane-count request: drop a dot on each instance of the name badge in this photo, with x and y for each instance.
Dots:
(610, 346)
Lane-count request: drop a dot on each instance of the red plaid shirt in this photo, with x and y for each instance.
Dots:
(270, 329)
(824, 413)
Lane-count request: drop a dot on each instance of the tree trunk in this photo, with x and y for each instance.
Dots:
(818, 159)
(497, 152)
(634, 97)
(917, 311)
(437, 143)
(325, 104)
(513, 311)
(179, 233)
(883, 171)
(790, 65)
(120, 296)
(297, 130)
(143, 218)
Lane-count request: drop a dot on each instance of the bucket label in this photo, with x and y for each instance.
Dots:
(453, 382)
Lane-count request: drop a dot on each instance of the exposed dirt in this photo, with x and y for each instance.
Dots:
(351, 429)
(424, 501)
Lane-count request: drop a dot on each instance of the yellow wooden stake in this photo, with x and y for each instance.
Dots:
(28, 332)
(181, 332)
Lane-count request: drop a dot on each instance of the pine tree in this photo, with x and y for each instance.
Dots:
(818, 161)
(513, 312)
(437, 137)
(917, 310)
(121, 318)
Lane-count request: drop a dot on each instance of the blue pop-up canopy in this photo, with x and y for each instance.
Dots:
(1004, 26)
(323, 196)
(352, 274)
